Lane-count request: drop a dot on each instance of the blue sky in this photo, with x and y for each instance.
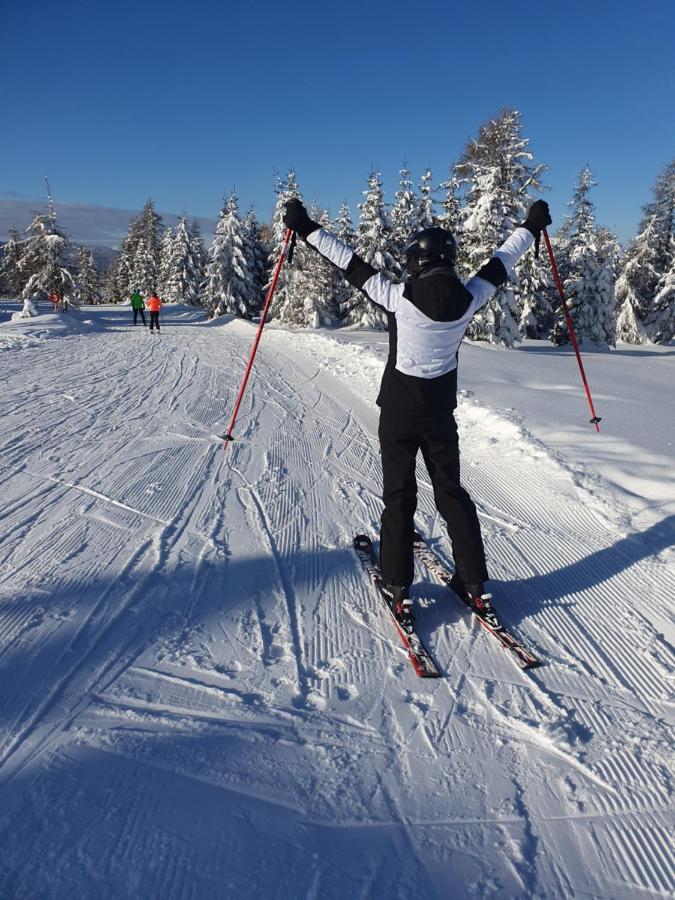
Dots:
(118, 102)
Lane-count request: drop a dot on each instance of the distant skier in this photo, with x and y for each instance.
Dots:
(428, 315)
(154, 305)
(138, 306)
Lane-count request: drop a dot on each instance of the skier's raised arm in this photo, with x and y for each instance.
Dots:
(496, 272)
(376, 286)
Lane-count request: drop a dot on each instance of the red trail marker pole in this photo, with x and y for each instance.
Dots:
(263, 318)
(568, 318)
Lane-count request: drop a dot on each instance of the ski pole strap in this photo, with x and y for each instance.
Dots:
(595, 420)
(537, 241)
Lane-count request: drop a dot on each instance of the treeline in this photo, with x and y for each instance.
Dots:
(614, 294)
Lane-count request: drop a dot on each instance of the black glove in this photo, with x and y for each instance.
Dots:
(538, 218)
(295, 217)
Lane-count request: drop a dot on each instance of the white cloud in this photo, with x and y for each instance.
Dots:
(96, 226)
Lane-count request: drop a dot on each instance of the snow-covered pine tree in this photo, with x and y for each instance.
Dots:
(497, 173)
(45, 261)
(285, 189)
(256, 254)
(344, 230)
(230, 286)
(144, 271)
(427, 216)
(150, 233)
(314, 283)
(184, 272)
(165, 263)
(588, 284)
(372, 239)
(405, 218)
(123, 283)
(661, 255)
(10, 266)
(536, 297)
(450, 218)
(89, 280)
(663, 318)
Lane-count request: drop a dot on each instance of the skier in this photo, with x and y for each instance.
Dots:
(428, 314)
(154, 305)
(138, 306)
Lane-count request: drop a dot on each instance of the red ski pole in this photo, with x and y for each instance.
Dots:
(568, 318)
(263, 318)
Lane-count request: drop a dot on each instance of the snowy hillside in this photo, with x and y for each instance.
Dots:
(200, 696)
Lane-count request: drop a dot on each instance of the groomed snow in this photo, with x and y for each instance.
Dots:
(199, 694)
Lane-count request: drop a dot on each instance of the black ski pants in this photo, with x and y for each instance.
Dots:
(401, 437)
(142, 314)
(154, 320)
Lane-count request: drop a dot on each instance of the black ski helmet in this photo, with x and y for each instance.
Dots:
(431, 246)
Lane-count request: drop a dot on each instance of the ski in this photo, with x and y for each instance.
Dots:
(422, 662)
(489, 619)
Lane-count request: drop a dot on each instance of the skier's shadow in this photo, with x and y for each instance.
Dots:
(520, 598)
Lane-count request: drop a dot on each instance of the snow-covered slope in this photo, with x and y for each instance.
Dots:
(199, 694)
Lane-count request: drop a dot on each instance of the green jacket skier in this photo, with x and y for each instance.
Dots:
(138, 306)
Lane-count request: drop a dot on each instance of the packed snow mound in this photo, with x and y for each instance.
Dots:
(29, 309)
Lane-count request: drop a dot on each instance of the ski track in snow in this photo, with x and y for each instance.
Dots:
(200, 695)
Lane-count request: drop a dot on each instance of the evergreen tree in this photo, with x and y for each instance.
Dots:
(183, 267)
(150, 235)
(165, 264)
(497, 173)
(658, 255)
(45, 262)
(145, 270)
(88, 277)
(536, 297)
(123, 282)
(372, 239)
(427, 217)
(10, 266)
(405, 219)
(314, 282)
(230, 286)
(663, 318)
(256, 255)
(588, 283)
(450, 218)
(285, 189)
(344, 230)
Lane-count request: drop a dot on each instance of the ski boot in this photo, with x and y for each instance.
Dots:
(474, 595)
(398, 598)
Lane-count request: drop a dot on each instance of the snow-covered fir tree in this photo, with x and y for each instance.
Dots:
(650, 258)
(588, 283)
(286, 189)
(405, 218)
(230, 286)
(344, 230)
(89, 280)
(10, 266)
(165, 259)
(450, 218)
(427, 216)
(150, 234)
(45, 260)
(497, 173)
(256, 254)
(183, 272)
(144, 272)
(536, 297)
(372, 240)
(663, 317)
(122, 283)
(314, 282)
